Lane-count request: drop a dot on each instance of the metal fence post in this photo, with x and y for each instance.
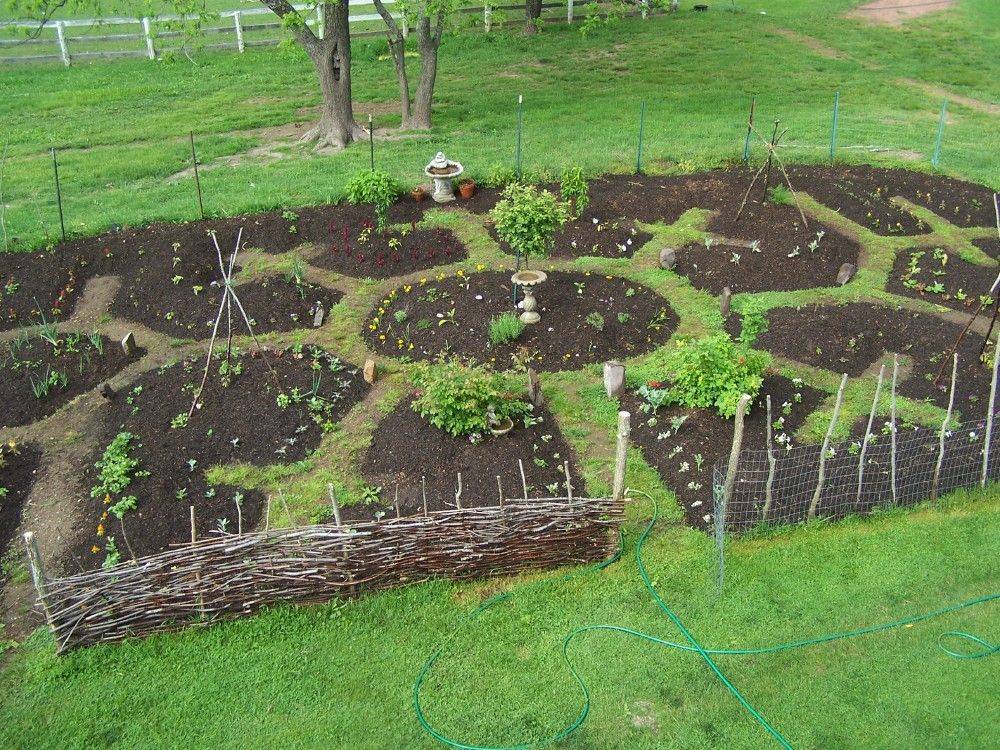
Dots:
(148, 34)
(61, 39)
(238, 24)
(936, 158)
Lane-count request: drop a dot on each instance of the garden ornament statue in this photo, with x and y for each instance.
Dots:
(442, 170)
(528, 280)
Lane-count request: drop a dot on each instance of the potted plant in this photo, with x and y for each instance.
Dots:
(418, 193)
(467, 188)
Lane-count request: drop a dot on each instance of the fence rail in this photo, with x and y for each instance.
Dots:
(152, 31)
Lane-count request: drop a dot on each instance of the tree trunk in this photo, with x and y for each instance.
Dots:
(331, 58)
(430, 41)
(532, 12)
(397, 48)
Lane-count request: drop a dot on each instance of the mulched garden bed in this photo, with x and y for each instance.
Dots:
(38, 376)
(851, 338)
(585, 318)
(39, 286)
(244, 418)
(18, 465)
(863, 193)
(939, 276)
(990, 246)
(683, 444)
(432, 453)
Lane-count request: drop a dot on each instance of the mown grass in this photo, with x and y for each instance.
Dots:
(340, 675)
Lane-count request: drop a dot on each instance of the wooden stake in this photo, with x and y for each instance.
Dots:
(458, 494)
(569, 484)
(55, 169)
(734, 458)
(621, 455)
(332, 492)
(267, 515)
(239, 518)
(524, 479)
(423, 492)
(197, 177)
(396, 501)
(500, 490)
(284, 504)
(194, 536)
(771, 465)
(944, 429)
(892, 426)
(821, 477)
(770, 159)
(868, 432)
(38, 576)
(989, 415)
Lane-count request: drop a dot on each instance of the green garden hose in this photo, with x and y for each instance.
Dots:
(692, 645)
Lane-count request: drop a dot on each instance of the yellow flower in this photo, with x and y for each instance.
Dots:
(407, 288)
(410, 347)
(104, 516)
(100, 529)
(107, 499)
(381, 311)
(423, 280)
(586, 273)
(95, 549)
(381, 337)
(480, 266)
(460, 272)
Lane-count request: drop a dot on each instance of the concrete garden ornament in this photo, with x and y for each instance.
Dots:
(527, 280)
(442, 170)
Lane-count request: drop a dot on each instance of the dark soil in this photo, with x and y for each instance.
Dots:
(851, 338)
(917, 452)
(863, 193)
(40, 286)
(429, 452)
(941, 277)
(239, 423)
(562, 340)
(368, 253)
(774, 251)
(709, 435)
(83, 365)
(18, 466)
(990, 246)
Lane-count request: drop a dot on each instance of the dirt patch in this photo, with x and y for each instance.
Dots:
(935, 275)
(684, 444)
(37, 377)
(434, 454)
(811, 43)
(272, 408)
(18, 466)
(39, 286)
(940, 92)
(990, 246)
(585, 318)
(897, 12)
(851, 338)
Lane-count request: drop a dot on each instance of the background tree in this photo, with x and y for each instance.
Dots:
(532, 12)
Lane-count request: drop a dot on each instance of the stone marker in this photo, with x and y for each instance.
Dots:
(369, 371)
(846, 273)
(614, 379)
(128, 343)
(725, 300)
(108, 392)
(318, 316)
(668, 258)
(534, 389)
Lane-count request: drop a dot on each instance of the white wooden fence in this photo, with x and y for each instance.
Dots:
(81, 39)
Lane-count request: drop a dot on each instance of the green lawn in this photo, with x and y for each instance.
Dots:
(341, 675)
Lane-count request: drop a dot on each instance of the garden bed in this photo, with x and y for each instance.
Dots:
(585, 318)
(683, 444)
(39, 375)
(941, 277)
(261, 409)
(39, 286)
(863, 193)
(366, 252)
(18, 465)
(432, 453)
(851, 338)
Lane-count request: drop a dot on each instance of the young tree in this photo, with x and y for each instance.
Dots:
(430, 17)
(532, 12)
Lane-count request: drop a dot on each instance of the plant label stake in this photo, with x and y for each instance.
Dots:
(55, 169)
(642, 122)
(936, 159)
(746, 141)
(520, 123)
(833, 131)
(197, 178)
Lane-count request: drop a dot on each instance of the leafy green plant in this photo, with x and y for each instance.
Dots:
(117, 467)
(505, 327)
(779, 194)
(499, 175)
(714, 371)
(573, 189)
(596, 321)
(457, 397)
(527, 218)
(376, 188)
(754, 323)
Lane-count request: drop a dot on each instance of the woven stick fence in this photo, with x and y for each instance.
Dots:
(233, 575)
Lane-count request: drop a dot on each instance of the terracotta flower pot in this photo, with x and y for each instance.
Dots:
(418, 194)
(467, 189)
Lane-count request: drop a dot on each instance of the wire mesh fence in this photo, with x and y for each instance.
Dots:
(780, 487)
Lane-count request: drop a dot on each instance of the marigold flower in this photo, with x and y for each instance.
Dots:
(100, 529)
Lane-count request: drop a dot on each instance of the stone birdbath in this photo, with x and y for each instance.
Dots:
(442, 170)
(528, 280)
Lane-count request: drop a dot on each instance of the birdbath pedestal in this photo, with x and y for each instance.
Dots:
(442, 170)
(528, 280)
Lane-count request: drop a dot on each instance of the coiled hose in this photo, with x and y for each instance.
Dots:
(690, 644)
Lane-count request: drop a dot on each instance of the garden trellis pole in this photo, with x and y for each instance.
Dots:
(892, 426)
(821, 475)
(833, 131)
(771, 465)
(59, 205)
(642, 123)
(197, 177)
(989, 415)
(936, 158)
(520, 124)
(868, 432)
(746, 141)
(944, 429)
(371, 142)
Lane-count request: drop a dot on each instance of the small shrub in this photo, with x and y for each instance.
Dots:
(573, 189)
(596, 320)
(714, 371)
(779, 194)
(117, 467)
(527, 218)
(499, 175)
(754, 323)
(376, 188)
(455, 397)
(505, 327)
